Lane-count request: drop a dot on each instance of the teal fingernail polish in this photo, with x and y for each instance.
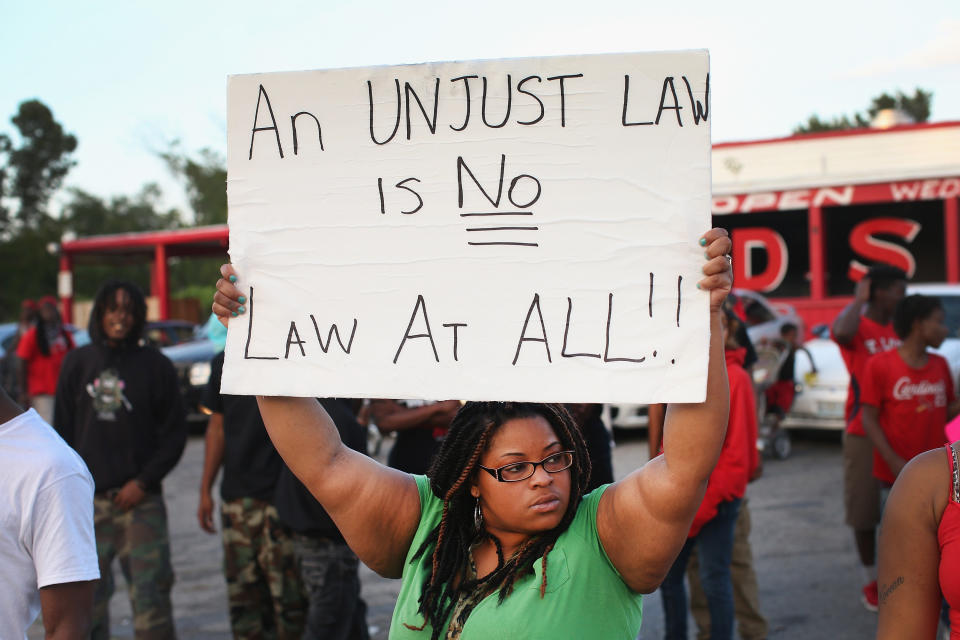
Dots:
(241, 309)
(242, 299)
(698, 286)
(705, 255)
(233, 278)
(703, 242)
(233, 313)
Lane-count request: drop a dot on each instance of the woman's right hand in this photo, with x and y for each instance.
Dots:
(228, 302)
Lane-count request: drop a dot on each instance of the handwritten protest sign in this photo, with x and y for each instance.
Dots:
(500, 230)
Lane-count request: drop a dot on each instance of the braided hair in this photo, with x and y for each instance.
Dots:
(451, 472)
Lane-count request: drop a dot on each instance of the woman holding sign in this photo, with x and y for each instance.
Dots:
(498, 539)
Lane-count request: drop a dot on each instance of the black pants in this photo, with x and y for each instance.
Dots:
(329, 571)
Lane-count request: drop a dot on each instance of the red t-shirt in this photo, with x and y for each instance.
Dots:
(42, 371)
(871, 338)
(912, 404)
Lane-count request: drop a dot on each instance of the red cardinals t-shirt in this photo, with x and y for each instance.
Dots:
(871, 338)
(912, 404)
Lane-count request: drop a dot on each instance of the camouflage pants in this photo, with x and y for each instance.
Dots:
(263, 585)
(138, 538)
(330, 574)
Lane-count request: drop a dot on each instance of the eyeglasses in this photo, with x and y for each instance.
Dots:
(517, 471)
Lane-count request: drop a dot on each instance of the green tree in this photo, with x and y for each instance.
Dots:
(29, 268)
(205, 182)
(35, 168)
(916, 106)
(86, 214)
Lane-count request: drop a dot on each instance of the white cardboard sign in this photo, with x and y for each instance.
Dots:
(519, 229)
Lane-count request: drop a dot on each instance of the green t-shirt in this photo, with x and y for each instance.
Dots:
(585, 596)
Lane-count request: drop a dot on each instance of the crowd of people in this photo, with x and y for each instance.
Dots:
(488, 512)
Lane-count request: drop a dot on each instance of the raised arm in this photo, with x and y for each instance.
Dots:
(846, 324)
(643, 520)
(909, 560)
(377, 509)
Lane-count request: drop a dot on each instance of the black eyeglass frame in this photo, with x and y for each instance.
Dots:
(498, 472)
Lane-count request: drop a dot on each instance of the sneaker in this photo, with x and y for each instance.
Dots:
(870, 597)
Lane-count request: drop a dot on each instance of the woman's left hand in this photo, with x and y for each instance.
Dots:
(718, 273)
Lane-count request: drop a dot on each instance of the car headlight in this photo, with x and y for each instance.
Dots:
(199, 374)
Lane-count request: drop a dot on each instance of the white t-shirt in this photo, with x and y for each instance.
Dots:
(46, 519)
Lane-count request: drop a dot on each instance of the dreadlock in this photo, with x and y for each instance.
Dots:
(455, 464)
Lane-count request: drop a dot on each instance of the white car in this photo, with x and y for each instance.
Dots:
(822, 379)
(625, 416)
(821, 396)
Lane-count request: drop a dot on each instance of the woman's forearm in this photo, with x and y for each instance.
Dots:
(693, 433)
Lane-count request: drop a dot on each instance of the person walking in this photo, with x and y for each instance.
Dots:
(328, 567)
(118, 405)
(751, 623)
(264, 590)
(863, 329)
(712, 531)
(908, 395)
(41, 351)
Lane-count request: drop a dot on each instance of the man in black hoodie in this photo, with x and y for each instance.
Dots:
(119, 406)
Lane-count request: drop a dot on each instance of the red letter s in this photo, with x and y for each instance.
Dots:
(863, 242)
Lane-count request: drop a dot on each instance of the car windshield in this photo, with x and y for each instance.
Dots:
(162, 334)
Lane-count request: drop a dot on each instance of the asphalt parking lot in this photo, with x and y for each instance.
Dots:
(804, 555)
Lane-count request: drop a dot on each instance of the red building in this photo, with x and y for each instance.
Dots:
(809, 214)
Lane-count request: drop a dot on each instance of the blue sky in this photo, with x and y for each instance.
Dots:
(126, 77)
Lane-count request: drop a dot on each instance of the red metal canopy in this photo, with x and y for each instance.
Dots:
(156, 246)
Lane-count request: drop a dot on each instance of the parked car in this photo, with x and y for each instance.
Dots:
(192, 361)
(625, 416)
(167, 333)
(7, 331)
(822, 394)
